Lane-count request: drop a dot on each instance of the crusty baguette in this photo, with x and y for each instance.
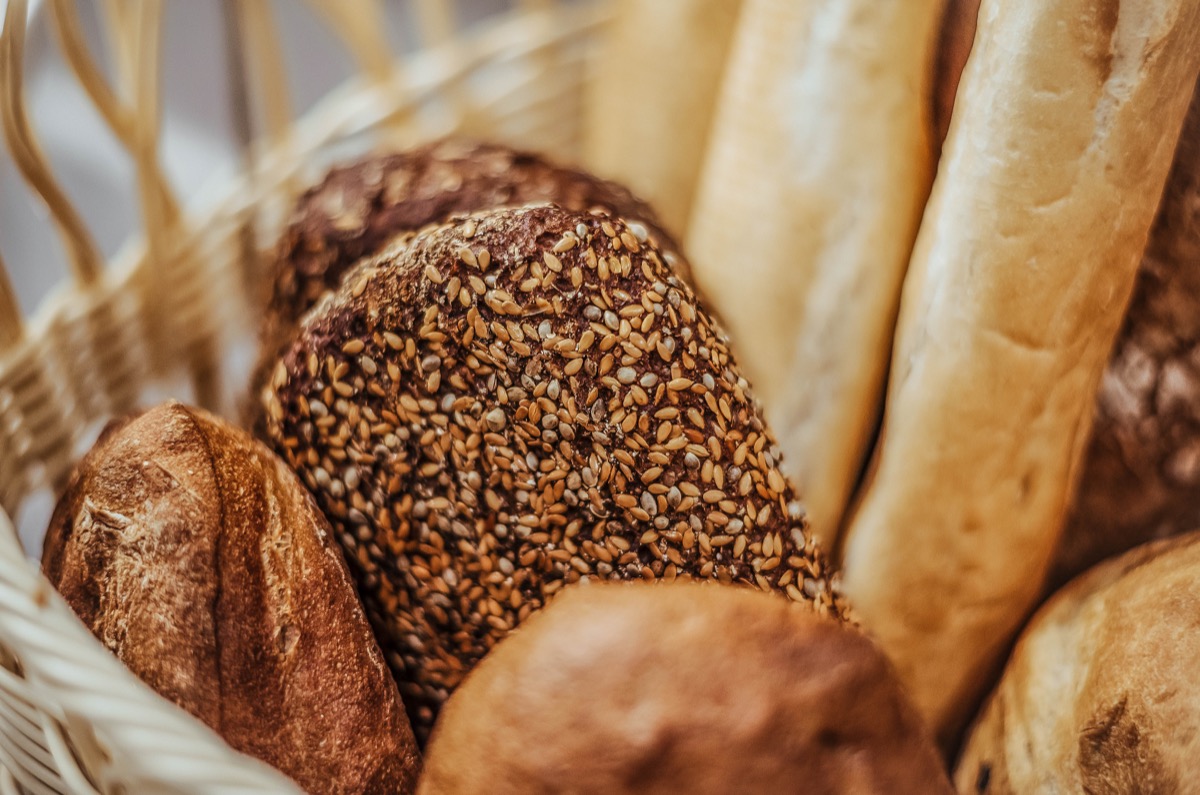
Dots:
(1063, 132)
(810, 200)
(198, 559)
(650, 102)
(1101, 693)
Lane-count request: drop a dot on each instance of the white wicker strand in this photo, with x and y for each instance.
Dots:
(153, 746)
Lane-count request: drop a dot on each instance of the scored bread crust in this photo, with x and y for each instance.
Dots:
(1100, 694)
(198, 558)
(1064, 127)
(664, 689)
(1141, 474)
(818, 170)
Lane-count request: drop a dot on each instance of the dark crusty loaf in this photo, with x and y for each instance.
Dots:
(515, 401)
(1141, 476)
(665, 689)
(198, 559)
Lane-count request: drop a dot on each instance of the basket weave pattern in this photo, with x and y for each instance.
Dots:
(177, 299)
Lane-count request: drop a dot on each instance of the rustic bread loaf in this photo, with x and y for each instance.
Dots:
(193, 554)
(1101, 693)
(657, 689)
(513, 402)
(1063, 133)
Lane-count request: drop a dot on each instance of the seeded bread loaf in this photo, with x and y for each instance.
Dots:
(819, 167)
(513, 402)
(194, 555)
(358, 208)
(665, 689)
(1063, 133)
(1100, 694)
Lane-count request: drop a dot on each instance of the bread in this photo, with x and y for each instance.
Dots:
(199, 560)
(651, 95)
(812, 192)
(681, 689)
(358, 208)
(513, 402)
(1101, 694)
(1141, 472)
(1025, 261)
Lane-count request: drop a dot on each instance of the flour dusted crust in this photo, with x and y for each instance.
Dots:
(515, 401)
(1063, 133)
(664, 689)
(1100, 694)
(197, 558)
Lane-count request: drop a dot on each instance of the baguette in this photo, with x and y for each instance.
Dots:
(1064, 128)
(812, 192)
(650, 102)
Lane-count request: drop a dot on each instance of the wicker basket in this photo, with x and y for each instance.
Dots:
(173, 305)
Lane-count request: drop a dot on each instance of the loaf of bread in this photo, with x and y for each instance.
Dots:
(812, 192)
(651, 95)
(1101, 693)
(1063, 132)
(358, 208)
(665, 689)
(193, 554)
(516, 401)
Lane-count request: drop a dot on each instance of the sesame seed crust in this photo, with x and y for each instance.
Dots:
(513, 402)
(357, 209)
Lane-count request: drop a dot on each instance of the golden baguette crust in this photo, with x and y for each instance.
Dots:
(651, 97)
(1065, 125)
(1101, 693)
(664, 689)
(820, 164)
(198, 559)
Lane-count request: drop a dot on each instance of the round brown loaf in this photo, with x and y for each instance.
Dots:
(199, 559)
(681, 689)
(357, 208)
(513, 402)
(1101, 693)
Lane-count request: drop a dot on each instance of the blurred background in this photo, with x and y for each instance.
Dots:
(199, 140)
